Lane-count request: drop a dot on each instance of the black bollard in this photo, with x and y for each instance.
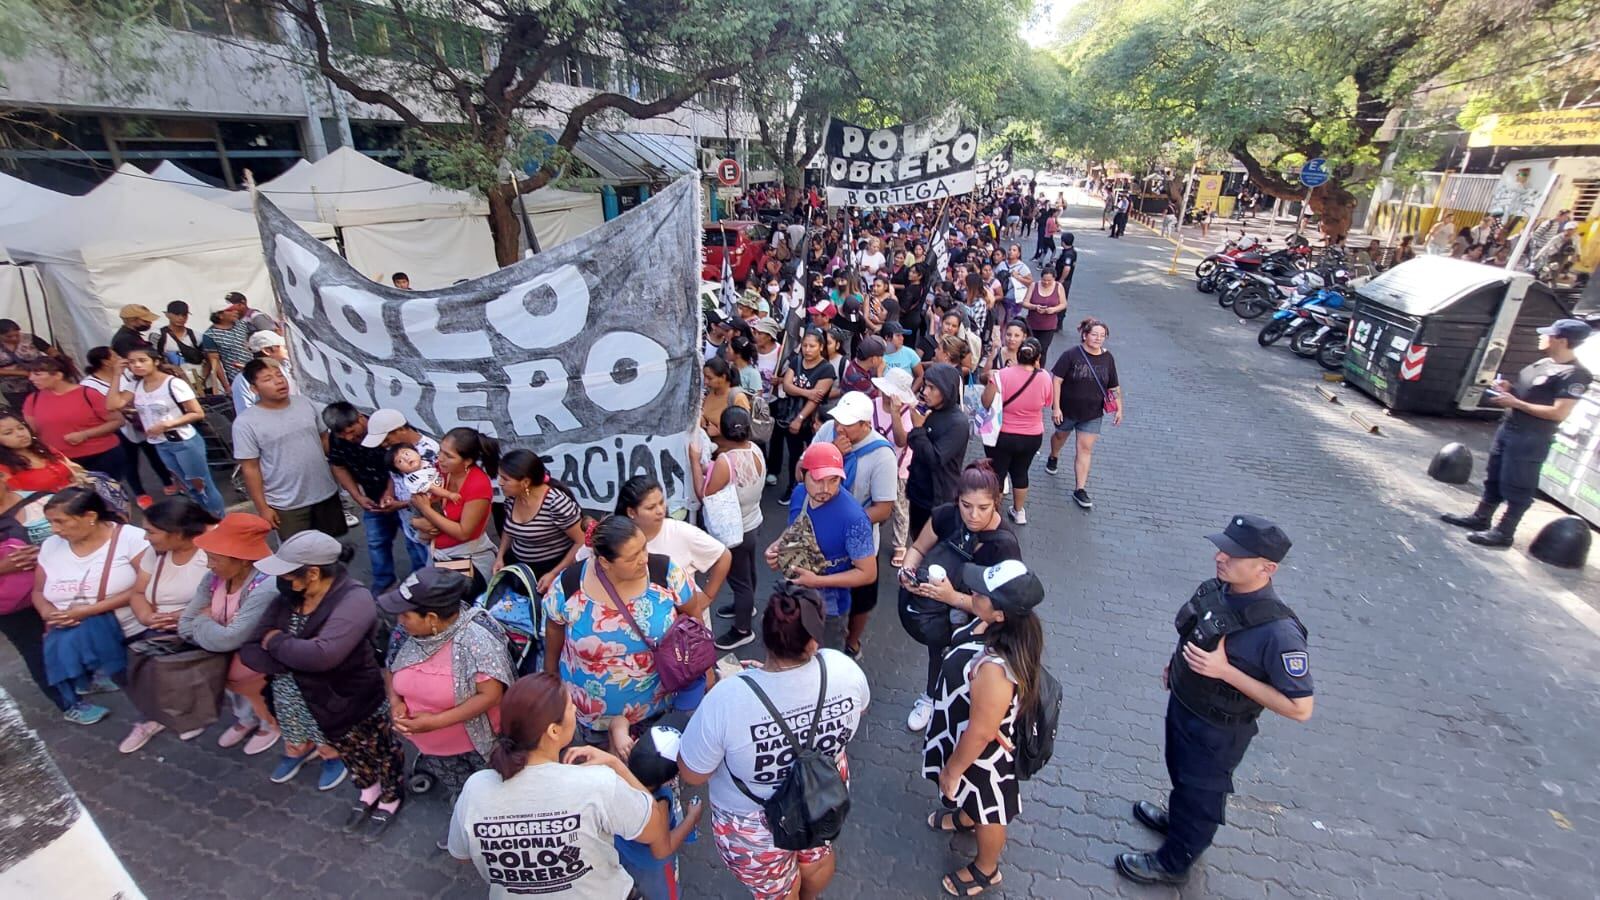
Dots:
(1452, 464)
(1564, 542)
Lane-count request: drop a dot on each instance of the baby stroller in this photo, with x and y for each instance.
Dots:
(512, 599)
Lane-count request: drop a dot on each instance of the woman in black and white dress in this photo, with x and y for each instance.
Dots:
(989, 671)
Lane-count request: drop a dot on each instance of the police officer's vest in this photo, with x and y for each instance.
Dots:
(1205, 620)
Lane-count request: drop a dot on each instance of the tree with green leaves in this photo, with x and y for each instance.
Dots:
(882, 62)
(465, 76)
(1277, 82)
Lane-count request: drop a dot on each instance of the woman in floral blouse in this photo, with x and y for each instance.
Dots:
(601, 658)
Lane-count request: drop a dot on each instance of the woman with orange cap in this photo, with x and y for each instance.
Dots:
(225, 611)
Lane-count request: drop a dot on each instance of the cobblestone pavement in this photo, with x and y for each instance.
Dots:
(1451, 754)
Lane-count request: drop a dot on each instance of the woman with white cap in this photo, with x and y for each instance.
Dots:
(327, 688)
(896, 426)
(990, 671)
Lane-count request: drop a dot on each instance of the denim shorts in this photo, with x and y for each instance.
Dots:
(1087, 426)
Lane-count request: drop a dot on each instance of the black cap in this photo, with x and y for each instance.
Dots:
(1248, 536)
(428, 590)
(177, 308)
(1008, 584)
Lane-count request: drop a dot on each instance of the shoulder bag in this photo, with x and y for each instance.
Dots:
(810, 804)
(720, 511)
(1109, 404)
(682, 655)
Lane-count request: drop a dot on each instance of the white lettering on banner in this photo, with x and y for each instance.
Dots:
(896, 165)
(624, 370)
(462, 397)
(358, 318)
(424, 323)
(298, 265)
(539, 395)
(558, 303)
(394, 389)
(526, 353)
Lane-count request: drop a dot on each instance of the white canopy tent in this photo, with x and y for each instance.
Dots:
(388, 221)
(22, 297)
(134, 239)
(559, 216)
(173, 175)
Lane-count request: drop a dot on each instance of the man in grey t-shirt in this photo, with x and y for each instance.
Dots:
(281, 446)
(872, 476)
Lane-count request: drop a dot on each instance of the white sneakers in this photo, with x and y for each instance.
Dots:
(1019, 516)
(921, 714)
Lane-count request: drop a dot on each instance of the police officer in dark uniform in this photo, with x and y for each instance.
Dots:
(1535, 406)
(1240, 650)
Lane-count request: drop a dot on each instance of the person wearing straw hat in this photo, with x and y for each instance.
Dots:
(136, 320)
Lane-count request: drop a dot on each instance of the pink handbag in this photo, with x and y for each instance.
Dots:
(16, 588)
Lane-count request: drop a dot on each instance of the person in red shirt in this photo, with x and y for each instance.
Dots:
(467, 461)
(73, 420)
(30, 463)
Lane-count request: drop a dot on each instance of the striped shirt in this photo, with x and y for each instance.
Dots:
(543, 540)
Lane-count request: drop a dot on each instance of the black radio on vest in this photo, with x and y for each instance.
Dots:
(1204, 621)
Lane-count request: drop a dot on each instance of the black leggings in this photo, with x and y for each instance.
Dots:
(1012, 454)
(742, 579)
(131, 452)
(785, 439)
(917, 516)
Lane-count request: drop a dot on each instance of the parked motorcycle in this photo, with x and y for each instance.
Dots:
(1329, 322)
(1290, 320)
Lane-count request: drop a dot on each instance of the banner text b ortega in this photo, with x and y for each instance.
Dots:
(913, 163)
(586, 353)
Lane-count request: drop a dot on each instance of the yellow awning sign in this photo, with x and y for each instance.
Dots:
(1557, 128)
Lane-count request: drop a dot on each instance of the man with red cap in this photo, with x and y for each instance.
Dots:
(840, 529)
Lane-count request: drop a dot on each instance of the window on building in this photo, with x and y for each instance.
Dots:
(231, 18)
(1585, 198)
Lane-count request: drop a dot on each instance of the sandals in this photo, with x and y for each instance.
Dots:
(936, 822)
(979, 882)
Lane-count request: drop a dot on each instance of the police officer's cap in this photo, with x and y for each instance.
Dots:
(1248, 536)
(1573, 331)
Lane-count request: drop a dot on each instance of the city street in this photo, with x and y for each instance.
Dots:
(1452, 752)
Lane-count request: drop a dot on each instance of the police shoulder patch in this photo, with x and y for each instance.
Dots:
(1576, 390)
(1297, 663)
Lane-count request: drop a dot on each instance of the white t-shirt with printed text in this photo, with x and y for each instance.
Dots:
(72, 580)
(548, 831)
(732, 734)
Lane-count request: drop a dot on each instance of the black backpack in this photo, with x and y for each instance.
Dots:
(1035, 728)
(810, 804)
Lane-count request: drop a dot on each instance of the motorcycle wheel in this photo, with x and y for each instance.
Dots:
(1207, 283)
(1273, 332)
(1251, 303)
(1331, 355)
(1205, 267)
(1306, 343)
(1227, 296)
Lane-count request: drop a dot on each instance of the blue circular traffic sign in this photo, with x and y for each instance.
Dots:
(1314, 172)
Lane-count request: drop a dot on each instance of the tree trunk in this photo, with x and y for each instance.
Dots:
(504, 225)
(794, 185)
(1335, 208)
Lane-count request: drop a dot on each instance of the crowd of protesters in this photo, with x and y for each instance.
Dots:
(846, 384)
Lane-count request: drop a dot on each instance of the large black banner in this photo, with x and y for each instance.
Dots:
(902, 164)
(587, 353)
